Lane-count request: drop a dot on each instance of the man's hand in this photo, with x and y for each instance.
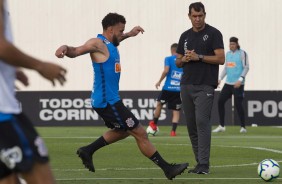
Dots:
(192, 55)
(237, 84)
(135, 31)
(157, 85)
(61, 51)
(52, 72)
(218, 83)
(21, 76)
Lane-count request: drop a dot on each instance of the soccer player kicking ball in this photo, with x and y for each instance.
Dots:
(105, 94)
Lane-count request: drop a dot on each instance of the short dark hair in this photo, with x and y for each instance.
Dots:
(112, 19)
(174, 45)
(197, 6)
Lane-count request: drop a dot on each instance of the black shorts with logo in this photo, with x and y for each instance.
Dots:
(172, 99)
(117, 116)
(20, 146)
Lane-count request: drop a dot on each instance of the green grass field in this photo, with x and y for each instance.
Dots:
(234, 156)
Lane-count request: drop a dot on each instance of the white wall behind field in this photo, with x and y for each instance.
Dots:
(40, 27)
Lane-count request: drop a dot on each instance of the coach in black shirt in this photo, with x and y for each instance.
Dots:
(200, 52)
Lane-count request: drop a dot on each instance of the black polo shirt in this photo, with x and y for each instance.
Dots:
(203, 42)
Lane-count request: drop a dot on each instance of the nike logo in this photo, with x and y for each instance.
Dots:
(208, 94)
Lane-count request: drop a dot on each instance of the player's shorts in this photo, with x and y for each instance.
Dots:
(20, 146)
(172, 99)
(117, 116)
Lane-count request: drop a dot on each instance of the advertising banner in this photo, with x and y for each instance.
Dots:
(262, 108)
(73, 108)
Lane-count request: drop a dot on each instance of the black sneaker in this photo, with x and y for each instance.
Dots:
(200, 169)
(86, 159)
(174, 169)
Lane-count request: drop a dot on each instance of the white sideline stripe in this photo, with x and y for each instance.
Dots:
(168, 137)
(248, 137)
(70, 137)
(256, 148)
(153, 168)
(70, 179)
(110, 169)
(239, 165)
(245, 147)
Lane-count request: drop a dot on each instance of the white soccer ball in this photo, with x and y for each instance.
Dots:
(152, 132)
(268, 169)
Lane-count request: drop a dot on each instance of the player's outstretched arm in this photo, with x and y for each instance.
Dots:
(92, 45)
(135, 31)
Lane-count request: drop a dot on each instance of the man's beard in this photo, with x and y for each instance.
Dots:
(115, 41)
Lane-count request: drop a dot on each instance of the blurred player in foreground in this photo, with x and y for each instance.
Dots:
(105, 94)
(22, 151)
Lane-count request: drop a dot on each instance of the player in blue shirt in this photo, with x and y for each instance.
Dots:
(170, 93)
(105, 94)
(235, 70)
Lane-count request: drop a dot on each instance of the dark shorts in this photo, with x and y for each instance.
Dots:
(20, 146)
(172, 99)
(117, 116)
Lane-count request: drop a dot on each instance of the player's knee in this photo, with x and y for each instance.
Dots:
(142, 134)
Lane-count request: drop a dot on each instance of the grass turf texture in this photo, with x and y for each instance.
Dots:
(234, 156)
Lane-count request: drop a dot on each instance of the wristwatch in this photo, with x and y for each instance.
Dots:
(201, 57)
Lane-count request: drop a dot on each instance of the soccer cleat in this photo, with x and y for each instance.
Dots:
(243, 130)
(172, 133)
(194, 170)
(153, 125)
(173, 170)
(219, 129)
(200, 169)
(86, 159)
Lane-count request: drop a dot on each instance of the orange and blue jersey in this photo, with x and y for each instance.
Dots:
(106, 78)
(236, 66)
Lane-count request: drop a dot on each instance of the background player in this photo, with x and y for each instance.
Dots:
(170, 93)
(235, 70)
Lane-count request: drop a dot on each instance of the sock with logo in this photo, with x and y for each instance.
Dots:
(158, 160)
(99, 143)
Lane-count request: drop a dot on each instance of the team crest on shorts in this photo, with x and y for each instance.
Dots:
(130, 122)
(11, 156)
